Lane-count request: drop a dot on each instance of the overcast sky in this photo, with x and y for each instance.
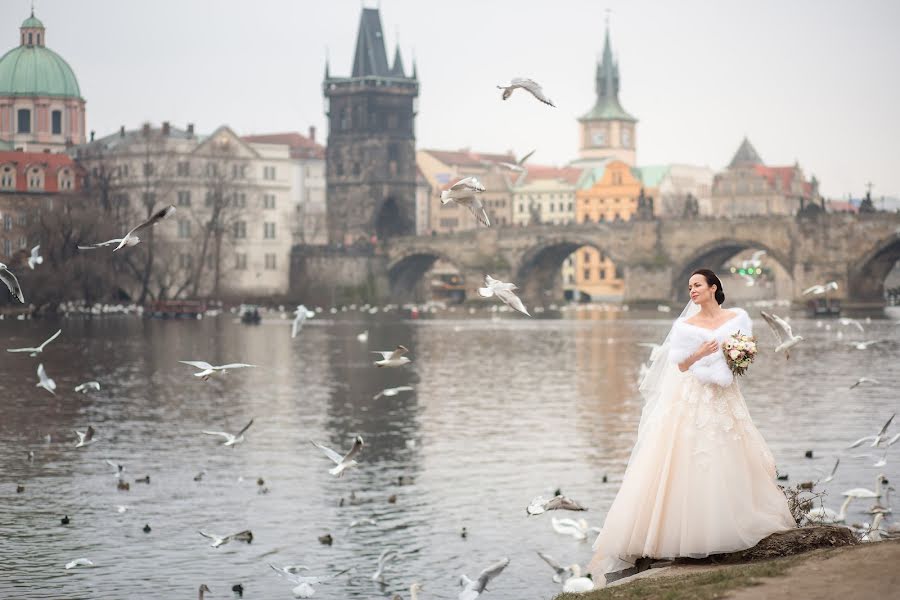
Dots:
(814, 81)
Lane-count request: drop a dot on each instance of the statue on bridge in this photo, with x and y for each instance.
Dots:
(691, 207)
(644, 207)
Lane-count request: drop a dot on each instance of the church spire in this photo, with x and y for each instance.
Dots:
(397, 70)
(606, 84)
(370, 58)
(32, 31)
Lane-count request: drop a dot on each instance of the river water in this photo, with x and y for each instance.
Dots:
(503, 409)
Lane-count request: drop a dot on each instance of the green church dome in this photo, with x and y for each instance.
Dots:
(32, 22)
(36, 71)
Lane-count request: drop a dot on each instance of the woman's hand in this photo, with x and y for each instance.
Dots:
(708, 348)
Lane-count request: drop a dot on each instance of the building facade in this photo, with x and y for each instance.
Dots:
(371, 149)
(41, 108)
(683, 191)
(545, 195)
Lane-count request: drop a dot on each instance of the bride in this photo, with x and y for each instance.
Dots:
(700, 479)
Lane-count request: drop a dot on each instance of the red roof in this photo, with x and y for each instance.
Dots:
(50, 164)
(567, 174)
(300, 145)
(785, 177)
(467, 158)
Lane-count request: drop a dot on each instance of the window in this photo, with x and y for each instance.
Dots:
(35, 179)
(240, 230)
(269, 231)
(240, 200)
(212, 169)
(268, 200)
(587, 256)
(149, 169)
(24, 120)
(356, 169)
(270, 261)
(65, 181)
(7, 247)
(149, 198)
(184, 228)
(602, 273)
(268, 172)
(551, 207)
(240, 262)
(7, 177)
(238, 171)
(184, 169)
(185, 261)
(23, 242)
(29, 38)
(56, 122)
(184, 198)
(521, 208)
(210, 198)
(587, 274)
(7, 224)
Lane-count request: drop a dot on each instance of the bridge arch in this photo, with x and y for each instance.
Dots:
(540, 266)
(714, 254)
(406, 271)
(867, 275)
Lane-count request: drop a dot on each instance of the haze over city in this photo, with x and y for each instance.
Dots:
(805, 81)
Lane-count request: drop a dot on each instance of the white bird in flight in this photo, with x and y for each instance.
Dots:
(465, 193)
(85, 438)
(45, 381)
(231, 439)
(518, 165)
(241, 536)
(877, 438)
(304, 588)
(863, 380)
(207, 369)
(503, 291)
(847, 322)
(540, 505)
(341, 462)
(88, 385)
(364, 336)
(560, 572)
(392, 358)
(784, 335)
(38, 349)
(529, 85)
(35, 257)
(130, 238)
(821, 288)
(301, 314)
(833, 471)
(385, 557)
(118, 468)
(864, 345)
(79, 562)
(472, 589)
(7, 277)
(390, 392)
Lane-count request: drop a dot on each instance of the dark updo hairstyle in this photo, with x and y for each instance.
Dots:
(712, 279)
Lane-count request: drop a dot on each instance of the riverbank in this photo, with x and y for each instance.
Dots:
(852, 571)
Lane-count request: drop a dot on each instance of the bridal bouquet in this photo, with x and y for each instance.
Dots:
(740, 350)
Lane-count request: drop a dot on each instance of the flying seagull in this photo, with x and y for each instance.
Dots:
(304, 588)
(561, 573)
(855, 322)
(79, 562)
(518, 165)
(465, 193)
(472, 589)
(35, 257)
(526, 84)
(864, 345)
(241, 536)
(784, 335)
(389, 392)
(833, 471)
(301, 314)
(540, 505)
(503, 291)
(385, 557)
(876, 439)
(821, 288)
(130, 238)
(342, 462)
(207, 369)
(45, 382)
(7, 277)
(39, 349)
(230, 439)
(863, 380)
(118, 468)
(85, 438)
(392, 358)
(88, 385)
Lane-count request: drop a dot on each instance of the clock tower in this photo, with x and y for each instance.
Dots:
(607, 130)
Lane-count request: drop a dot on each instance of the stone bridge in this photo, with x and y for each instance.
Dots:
(857, 251)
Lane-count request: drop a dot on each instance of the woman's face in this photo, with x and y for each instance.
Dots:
(700, 291)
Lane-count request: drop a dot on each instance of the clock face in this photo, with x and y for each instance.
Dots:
(599, 138)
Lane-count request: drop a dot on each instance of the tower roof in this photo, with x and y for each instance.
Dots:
(32, 69)
(746, 156)
(370, 58)
(32, 22)
(397, 69)
(607, 107)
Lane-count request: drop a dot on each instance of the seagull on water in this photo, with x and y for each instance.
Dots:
(35, 257)
(231, 439)
(784, 335)
(45, 381)
(389, 392)
(530, 85)
(304, 588)
(85, 438)
(472, 589)
(864, 345)
(539, 505)
(79, 562)
(130, 238)
(7, 277)
(207, 369)
(821, 288)
(503, 291)
(393, 358)
(342, 462)
(518, 165)
(241, 536)
(465, 193)
(577, 529)
(38, 349)
(863, 380)
(88, 385)
(877, 438)
(385, 557)
(301, 314)
(118, 468)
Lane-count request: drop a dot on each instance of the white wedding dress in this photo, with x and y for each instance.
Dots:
(700, 479)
